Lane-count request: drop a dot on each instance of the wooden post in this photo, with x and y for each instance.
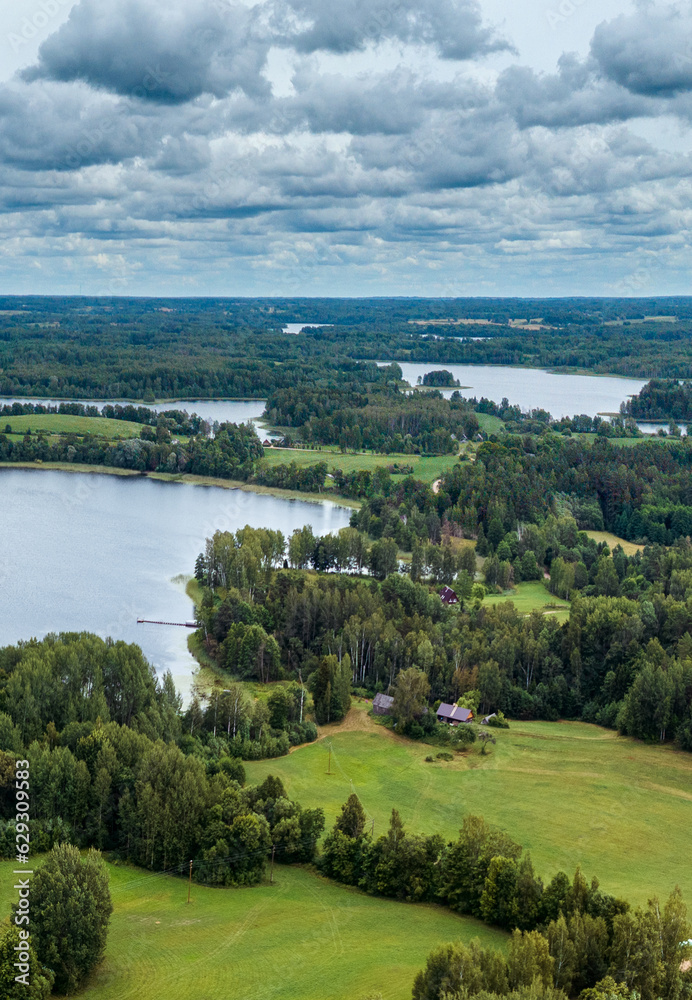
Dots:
(329, 770)
(271, 873)
(189, 883)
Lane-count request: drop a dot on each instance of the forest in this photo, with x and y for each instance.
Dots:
(661, 399)
(185, 349)
(623, 659)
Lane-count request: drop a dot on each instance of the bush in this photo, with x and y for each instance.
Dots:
(445, 755)
(498, 721)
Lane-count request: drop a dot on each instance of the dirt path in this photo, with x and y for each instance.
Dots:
(357, 720)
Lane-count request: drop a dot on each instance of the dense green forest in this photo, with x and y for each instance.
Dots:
(641, 493)
(144, 349)
(623, 659)
(661, 399)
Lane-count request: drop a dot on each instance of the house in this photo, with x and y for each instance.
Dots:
(453, 715)
(382, 704)
(486, 720)
(447, 596)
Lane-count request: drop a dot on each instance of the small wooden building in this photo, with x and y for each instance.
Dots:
(453, 715)
(447, 596)
(382, 704)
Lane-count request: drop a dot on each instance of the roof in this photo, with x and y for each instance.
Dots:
(492, 715)
(448, 595)
(383, 700)
(454, 713)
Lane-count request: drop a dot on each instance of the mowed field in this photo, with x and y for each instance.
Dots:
(66, 423)
(629, 548)
(532, 596)
(427, 468)
(302, 938)
(571, 793)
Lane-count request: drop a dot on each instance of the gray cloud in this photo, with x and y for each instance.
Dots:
(170, 51)
(453, 27)
(149, 133)
(649, 52)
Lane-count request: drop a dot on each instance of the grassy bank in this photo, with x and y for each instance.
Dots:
(302, 938)
(571, 793)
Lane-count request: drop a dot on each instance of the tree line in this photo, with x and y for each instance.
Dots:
(567, 935)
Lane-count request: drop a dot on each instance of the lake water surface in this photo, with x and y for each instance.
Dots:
(95, 552)
(532, 388)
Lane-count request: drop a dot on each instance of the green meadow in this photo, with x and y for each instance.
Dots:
(571, 793)
(425, 467)
(66, 423)
(532, 596)
(302, 938)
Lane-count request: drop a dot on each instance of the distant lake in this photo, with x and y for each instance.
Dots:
(95, 552)
(534, 388)
(298, 327)
(235, 411)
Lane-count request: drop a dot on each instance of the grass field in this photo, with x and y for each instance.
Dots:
(302, 938)
(527, 597)
(489, 424)
(65, 423)
(571, 793)
(606, 536)
(427, 468)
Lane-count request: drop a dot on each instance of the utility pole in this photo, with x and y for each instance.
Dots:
(373, 826)
(329, 770)
(189, 884)
(271, 873)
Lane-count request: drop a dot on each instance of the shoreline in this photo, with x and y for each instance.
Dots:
(186, 478)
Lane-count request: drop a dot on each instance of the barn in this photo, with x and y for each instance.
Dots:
(453, 715)
(382, 704)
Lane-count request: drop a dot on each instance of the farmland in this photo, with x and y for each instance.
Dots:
(426, 468)
(302, 938)
(65, 423)
(571, 793)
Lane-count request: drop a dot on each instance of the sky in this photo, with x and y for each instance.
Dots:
(359, 147)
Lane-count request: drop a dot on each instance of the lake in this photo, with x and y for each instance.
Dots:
(95, 552)
(534, 388)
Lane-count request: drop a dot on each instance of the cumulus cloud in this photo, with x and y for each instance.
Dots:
(454, 27)
(147, 128)
(160, 50)
(649, 52)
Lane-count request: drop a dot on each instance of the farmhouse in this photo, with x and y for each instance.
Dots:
(453, 715)
(382, 704)
(447, 596)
